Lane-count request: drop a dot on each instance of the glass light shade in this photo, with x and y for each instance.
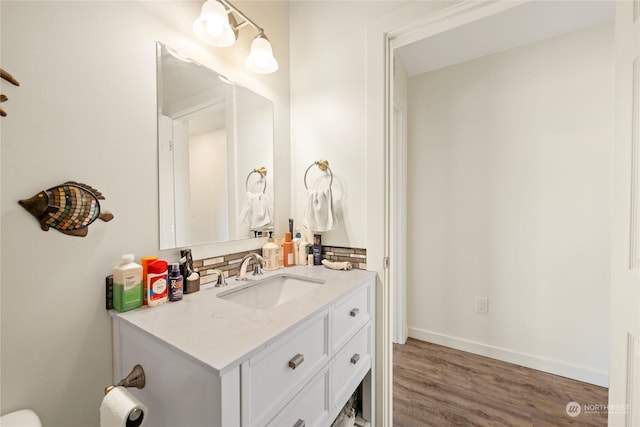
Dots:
(212, 26)
(260, 59)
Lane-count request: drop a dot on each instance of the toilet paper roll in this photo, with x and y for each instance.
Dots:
(120, 408)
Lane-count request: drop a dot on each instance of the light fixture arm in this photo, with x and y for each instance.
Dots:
(247, 20)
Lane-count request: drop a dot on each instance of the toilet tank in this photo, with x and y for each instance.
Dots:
(21, 418)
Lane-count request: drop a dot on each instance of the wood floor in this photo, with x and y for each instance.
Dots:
(439, 386)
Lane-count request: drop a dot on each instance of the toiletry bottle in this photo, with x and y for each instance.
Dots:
(296, 248)
(270, 254)
(190, 276)
(280, 242)
(186, 264)
(176, 283)
(145, 261)
(157, 290)
(317, 249)
(302, 251)
(127, 284)
(288, 250)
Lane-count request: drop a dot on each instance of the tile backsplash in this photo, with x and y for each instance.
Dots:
(230, 264)
(357, 257)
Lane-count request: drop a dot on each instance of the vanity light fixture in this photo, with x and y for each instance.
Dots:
(218, 27)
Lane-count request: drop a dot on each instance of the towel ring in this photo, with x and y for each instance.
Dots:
(262, 171)
(323, 165)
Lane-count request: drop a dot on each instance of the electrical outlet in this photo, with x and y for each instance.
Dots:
(482, 305)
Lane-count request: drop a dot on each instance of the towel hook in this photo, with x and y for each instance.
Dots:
(262, 171)
(323, 165)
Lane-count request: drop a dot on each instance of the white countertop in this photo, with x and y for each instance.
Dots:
(220, 333)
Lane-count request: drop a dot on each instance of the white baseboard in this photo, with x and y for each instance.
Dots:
(555, 367)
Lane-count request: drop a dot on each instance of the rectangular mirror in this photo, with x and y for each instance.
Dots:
(215, 155)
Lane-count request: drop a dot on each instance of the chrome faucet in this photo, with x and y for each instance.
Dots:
(221, 280)
(257, 268)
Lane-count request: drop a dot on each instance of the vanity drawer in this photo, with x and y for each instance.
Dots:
(350, 366)
(310, 407)
(279, 372)
(349, 315)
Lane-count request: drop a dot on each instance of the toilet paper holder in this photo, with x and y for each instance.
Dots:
(136, 378)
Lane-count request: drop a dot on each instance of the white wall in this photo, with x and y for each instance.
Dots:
(337, 88)
(86, 111)
(510, 165)
(209, 199)
(251, 150)
(328, 107)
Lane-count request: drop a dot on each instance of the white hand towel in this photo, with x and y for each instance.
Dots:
(318, 215)
(335, 265)
(257, 211)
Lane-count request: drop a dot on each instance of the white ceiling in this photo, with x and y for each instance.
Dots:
(517, 26)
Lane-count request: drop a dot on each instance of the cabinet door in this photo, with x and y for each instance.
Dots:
(283, 368)
(349, 315)
(350, 366)
(178, 390)
(310, 407)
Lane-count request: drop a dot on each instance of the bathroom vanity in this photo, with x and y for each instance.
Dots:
(291, 356)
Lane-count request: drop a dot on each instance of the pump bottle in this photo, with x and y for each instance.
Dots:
(270, 254)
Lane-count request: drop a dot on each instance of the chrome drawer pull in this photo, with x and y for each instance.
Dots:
(354, 312)
(299, 423)
(355, 358)
(295, 362)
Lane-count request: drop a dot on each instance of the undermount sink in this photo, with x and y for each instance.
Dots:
(272, 291)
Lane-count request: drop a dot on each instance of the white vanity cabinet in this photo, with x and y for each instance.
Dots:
(295, 365)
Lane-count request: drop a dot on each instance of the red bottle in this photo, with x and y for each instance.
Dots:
(157, 289)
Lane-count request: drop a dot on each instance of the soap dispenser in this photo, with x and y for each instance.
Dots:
(270, 254)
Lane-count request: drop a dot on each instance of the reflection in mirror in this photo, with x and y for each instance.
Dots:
(212, 136)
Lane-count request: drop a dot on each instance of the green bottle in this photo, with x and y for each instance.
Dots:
(127, 284)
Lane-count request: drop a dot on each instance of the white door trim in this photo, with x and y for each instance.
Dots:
(398, 221)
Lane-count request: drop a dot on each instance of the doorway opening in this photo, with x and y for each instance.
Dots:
(484, 183)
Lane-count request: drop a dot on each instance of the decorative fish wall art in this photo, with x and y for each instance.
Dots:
(3, 98)
(70, 208)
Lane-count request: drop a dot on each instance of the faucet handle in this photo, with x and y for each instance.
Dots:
(221, 280)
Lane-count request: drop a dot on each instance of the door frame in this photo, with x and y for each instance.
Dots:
(398, 220)
(405, 25)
